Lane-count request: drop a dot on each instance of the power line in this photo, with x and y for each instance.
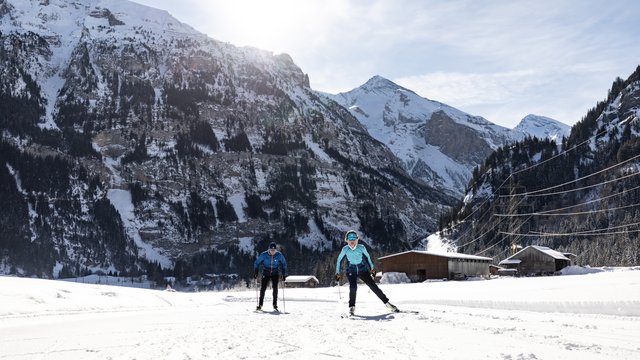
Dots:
(568, 214)
(526, 169)
(579, 233)
(573, 234)
(503, 239)
(590, 201)
(492, 228)
(586, 187)
(533, 193)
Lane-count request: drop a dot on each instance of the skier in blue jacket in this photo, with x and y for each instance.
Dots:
(359, 265)
(271, 260)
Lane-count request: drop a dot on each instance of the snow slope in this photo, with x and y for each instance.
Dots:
(587, 316)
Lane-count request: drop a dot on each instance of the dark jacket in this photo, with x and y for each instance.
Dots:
(270, 263)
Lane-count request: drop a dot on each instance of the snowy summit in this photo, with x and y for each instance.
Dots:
(543, 127)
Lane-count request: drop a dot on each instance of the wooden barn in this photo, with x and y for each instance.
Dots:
(301, 281)
(536, 260)
(423, 265)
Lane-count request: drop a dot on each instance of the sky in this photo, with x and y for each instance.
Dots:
(592, 315)
(498, 59)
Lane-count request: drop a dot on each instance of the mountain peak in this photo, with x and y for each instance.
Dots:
(379, 83)
(378, 80)
(542, 127)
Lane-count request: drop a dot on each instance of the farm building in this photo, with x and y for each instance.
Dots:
(423, 265)
(301, 281)
(537, 260)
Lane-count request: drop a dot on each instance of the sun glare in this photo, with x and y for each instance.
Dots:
(276, 25)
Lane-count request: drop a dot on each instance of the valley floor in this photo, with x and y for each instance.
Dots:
(589, 316)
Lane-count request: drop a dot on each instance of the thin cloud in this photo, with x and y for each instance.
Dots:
(501, 60)
(471, 89)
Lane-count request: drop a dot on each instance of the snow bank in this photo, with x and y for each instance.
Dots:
(394, 278)
(580, 270)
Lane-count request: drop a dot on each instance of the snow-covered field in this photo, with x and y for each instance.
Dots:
(586, 316)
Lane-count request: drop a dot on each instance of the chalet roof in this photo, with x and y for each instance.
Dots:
(509, 262)
(301, 279)
(449, 255)
(554, 254)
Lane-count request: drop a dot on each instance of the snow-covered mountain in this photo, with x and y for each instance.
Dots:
(579, 197)
(437, 143)
(128, 135)
(543, 127)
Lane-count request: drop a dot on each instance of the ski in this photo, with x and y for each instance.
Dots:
(274, 311)
(408, 311)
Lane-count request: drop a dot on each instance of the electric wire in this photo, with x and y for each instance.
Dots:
(533, 193)
(590, 201)
(450, 228)
(578, 233)
(541, 190)
(570, 213)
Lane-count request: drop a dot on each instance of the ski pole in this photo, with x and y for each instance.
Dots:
(284, 303)
(257, 295)
(339, 294)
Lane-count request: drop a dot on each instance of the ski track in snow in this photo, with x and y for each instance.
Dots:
(43, 319)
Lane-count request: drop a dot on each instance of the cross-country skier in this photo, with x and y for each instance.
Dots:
(359, 265)
(271, 260)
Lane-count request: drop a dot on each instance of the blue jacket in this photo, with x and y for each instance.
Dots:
(270, 263)
(358, 259)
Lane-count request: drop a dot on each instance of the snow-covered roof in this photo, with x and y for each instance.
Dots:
(509, 262)
(300, 279)
(554, 254)
(450, 255)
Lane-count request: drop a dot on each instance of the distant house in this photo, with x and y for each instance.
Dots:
(301, 281)
(536, 260)
(423, 265)
(493, 269)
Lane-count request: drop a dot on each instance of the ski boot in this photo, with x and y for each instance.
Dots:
(392, 307)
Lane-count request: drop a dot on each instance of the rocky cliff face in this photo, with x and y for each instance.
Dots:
(458, 142)
(178, 145)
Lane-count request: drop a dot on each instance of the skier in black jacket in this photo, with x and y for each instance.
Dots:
(271, 260)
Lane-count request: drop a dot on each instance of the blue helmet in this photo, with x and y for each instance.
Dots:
(351, 235)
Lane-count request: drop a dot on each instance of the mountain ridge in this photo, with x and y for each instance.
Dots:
(438, 144)
(163, 151)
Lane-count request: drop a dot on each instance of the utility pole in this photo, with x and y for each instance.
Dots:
(513, 209)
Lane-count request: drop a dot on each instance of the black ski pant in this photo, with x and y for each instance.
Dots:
(274, 284)
(366, 277)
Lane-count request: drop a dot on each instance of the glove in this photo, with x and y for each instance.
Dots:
(284, 277)
(255, 274)
(338, 277)
(373, 273)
